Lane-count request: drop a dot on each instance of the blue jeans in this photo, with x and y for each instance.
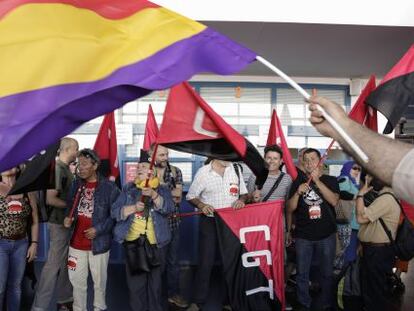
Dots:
(173, 268)
(12, 263)
(325, 251)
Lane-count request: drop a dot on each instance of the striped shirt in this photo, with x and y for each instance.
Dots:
(280, 193)
(216, 190)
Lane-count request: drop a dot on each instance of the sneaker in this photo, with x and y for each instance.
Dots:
(288, 306)
(227, 308)
(193, 307)
(178, 301)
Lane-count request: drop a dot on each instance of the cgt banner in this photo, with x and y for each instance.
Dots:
(252, 247)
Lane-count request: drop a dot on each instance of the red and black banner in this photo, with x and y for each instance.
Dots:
(191, 125)
(107, 148)
(396, 91)
(252, 249)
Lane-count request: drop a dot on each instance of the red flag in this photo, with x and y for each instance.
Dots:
(396, 91)
(107, 149)
(252, 248)
(276, 137)
(151, 130)
(191, 125)
(361, 112)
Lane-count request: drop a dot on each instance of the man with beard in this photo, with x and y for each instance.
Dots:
(171, 176)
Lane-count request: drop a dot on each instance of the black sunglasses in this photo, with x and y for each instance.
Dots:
(356, 168)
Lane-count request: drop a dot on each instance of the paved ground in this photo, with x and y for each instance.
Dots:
(117, 292)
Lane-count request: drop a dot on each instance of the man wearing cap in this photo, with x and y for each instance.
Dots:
(91, 231)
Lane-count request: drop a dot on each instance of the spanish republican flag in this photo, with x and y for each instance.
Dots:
(396, 91)
(66, 62)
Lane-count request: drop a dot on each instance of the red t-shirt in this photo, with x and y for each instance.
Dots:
(84, 220)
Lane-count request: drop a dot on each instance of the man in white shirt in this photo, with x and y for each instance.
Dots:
(216, 185)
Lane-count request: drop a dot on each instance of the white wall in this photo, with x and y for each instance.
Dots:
(352, 12)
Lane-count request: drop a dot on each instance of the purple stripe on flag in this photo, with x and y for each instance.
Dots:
(33, 120)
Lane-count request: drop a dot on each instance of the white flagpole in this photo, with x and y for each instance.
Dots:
(327, 117)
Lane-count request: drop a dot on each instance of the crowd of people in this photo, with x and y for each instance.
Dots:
(330, 222)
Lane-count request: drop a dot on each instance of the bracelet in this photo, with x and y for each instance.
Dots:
(360, 196)
(35, 242)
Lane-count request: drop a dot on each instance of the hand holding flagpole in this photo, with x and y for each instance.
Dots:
(152, 163)
(327, 117)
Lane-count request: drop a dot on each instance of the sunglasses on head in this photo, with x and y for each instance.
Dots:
(89, 154)
(356, 168)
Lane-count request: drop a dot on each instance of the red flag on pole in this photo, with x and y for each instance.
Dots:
(361, 112)
(191, 125)
(276, 137)
(151, 130)
(107, 149)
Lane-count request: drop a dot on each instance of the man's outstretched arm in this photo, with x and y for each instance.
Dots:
(385, 154)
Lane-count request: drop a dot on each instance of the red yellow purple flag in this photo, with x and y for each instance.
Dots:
(66, 62)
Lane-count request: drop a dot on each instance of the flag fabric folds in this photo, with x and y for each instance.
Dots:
(363, 113)
(276, 137)
(191, 125)
(252, 249)
(39, 172)
(107, 148)
(396, 91)
(62, 73)
(151, 130)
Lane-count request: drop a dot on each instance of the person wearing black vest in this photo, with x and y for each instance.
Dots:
(312, 204)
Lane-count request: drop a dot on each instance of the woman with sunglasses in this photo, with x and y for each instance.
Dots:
(349, 181)
(16, 211)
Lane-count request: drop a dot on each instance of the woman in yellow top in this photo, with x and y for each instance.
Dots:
(134, 219)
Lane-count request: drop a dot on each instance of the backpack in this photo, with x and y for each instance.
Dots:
(404, 241)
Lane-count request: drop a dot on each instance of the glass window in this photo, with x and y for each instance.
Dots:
(187, 170)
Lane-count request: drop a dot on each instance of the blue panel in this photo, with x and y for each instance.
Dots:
(43, 246)
(188, 250)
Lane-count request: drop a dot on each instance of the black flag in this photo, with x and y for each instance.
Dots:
(39, 173)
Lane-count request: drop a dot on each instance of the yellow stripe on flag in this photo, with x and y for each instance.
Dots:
(42, 45)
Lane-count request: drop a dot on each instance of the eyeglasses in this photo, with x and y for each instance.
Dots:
(356, 168)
